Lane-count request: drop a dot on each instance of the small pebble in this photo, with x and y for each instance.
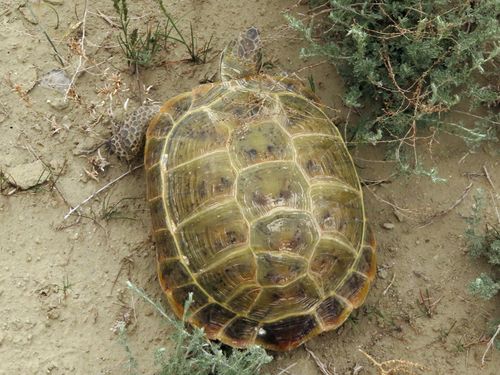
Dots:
(382, 273)
(388, 226)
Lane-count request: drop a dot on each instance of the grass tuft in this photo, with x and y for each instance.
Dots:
(194, 354)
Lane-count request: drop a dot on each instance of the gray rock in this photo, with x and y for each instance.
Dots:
(25, 176)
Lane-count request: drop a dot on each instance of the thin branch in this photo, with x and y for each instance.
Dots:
(97, 192)
(390, 284)
(322, 367)
(82, 56)
(441, 213)
(490, 344)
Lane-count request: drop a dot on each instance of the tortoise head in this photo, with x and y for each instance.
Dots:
(242, 57)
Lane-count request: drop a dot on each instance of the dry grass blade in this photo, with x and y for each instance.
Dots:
(396, 366)
(322, 367)
(441, 213)
(490, 344)
(97, 192)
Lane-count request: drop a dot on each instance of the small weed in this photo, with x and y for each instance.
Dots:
(111, 211)
(4, 182)
(194, 354)
(66, 286)
(312, 85)
(132, 365)
(427, 304)
(484, 243)
(459, 346)
(197, 56)
(383, 319)
(444, 333)
(139, 48)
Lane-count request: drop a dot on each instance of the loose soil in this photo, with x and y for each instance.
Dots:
(63, 291)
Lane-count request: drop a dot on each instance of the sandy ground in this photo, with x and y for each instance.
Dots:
(62, 282)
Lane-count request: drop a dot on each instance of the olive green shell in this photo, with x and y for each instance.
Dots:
(258, 212)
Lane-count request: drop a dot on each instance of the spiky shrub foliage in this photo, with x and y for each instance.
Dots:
(406, 62)
(194, 354)
(485, 244)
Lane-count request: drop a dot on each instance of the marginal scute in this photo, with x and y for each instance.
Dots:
(355, 288)
(300, 116)
(213, 317)
(180, 295)
(333, 311)
(173, 274)
(165, 245)
(154, 182)
(241, 331)
(158, 214)
(178, 106)
(287, 333)
(160, 125)
(290, 231)
(271, 185)
(206, 94)
(154, 149)
(367, 263)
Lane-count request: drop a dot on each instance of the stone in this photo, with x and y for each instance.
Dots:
(26, 176)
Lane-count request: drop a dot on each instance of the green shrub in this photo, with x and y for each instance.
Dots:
(483, 243)
(194, 354)
(406, 62)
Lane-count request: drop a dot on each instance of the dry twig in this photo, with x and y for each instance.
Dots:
(82, 57)
(394, 366)
(490, 344)
(441, 213)
(493, 196)
(97, 192)
(390, 284)
(322, 367)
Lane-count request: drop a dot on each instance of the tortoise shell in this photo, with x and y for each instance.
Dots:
(258, 212)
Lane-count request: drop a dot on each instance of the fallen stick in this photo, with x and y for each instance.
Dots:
(97, 192)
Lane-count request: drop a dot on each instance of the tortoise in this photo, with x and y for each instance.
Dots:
(257, 209)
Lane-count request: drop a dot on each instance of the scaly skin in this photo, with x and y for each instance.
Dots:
(128, 138)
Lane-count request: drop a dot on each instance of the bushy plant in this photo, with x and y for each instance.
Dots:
(194, 354)
(406, 62)
(483, 243)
